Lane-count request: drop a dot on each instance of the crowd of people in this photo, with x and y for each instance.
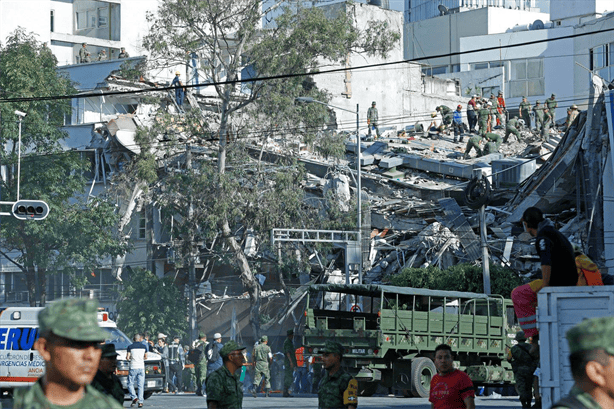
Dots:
(484, 115)
(85, 56)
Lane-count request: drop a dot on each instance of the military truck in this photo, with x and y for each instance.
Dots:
(390, 333)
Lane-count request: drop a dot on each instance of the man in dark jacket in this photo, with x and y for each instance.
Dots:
(105, 380)
(523, 366)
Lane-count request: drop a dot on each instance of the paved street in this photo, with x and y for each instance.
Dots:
(311, 401)
(189, 401)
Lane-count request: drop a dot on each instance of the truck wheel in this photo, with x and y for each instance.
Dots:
(422, 371)
(367, 388)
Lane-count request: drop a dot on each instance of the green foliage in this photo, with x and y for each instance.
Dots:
(78, 232)
(331, 145)
(461, 277)
(148, 303)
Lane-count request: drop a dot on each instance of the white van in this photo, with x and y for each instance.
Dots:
(21, 365)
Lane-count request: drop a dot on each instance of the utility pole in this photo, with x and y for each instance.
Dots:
(192, 262)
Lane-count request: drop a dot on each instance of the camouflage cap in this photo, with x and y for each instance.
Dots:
(264, 338)
(72, 318)
(332, 347)
(108, 351)
(596, 333)
(201, 335)
(229, 347)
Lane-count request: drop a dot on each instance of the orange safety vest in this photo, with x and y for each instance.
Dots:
(588, 272)
(300, 359)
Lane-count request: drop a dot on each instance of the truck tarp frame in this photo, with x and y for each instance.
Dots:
(371, 290)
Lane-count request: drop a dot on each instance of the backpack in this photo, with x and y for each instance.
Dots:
(194, 355)
(212, 352)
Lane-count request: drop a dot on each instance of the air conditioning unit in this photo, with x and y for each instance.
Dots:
(511, 171)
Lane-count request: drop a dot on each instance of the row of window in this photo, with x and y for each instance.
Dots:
(98, 18)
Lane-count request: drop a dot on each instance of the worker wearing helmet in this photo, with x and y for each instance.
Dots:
(483, 118)
(179, 90)
(572, 114)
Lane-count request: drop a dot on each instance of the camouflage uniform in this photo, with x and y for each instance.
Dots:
(546, 122)
(539, 115)
(473, 143)
(493, 137)
(511, 127)
(289, 370)
(84, 55)
(525, 110)
(223, 387)
(33, 397)
(483, 114)
(339, 390)
(551, 104)
(200, 367)
(111, 386)
(446, 114)
(373, 119)
(589, 335)
(261, 365)
(496, 115)
(490, 147)
(74, 320)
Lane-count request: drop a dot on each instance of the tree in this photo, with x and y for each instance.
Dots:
(149, 303)
(78, 232)
(216, 200)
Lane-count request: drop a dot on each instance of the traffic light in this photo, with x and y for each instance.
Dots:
(30, 210)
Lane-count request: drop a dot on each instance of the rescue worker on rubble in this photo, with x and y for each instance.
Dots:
(538, 110)
(446, 114)
(523, 366)
(511, 127)
(372, 120)
(473, 143)
(472, 115)
(493, 143)
(502, 108)
(552, 105)
(495, 115)
(572, 113)
(525, 112)
(546, 122)
(458, 124)
(434, 129)
(484, 117)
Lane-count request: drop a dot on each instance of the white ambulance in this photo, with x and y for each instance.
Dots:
(21, 365)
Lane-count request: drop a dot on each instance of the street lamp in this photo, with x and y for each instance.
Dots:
(21, 116)
(308, 100)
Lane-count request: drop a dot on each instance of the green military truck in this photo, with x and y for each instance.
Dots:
(390, 333)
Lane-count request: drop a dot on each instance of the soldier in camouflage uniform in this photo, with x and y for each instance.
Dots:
(591, 344)
(552, 105)
(473, 143)
(538, 110)
(338, 389)
(224, 390)
(511, 127)
(483, 117)
(201, 365)
(447, 115)
(105, 380)
(523, 366)
(525, 111)
(262, 356)
(546, 122)
(289, 362)
(69, 343)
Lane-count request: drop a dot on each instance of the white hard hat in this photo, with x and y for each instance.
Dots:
(217, 335)
(161, 336)
(489, 103)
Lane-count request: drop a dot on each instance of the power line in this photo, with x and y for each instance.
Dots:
(285, 76)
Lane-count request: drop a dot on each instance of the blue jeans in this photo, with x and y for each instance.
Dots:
(136, 376)
(301, 382)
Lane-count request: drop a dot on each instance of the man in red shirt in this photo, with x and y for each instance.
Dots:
(450, 388)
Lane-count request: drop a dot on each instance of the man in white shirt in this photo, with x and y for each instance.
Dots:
(137, 354)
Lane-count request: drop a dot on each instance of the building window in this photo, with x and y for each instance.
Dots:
(103, 17)
(526, 78)
(602, 60)
(435, 70)
(52, 21)
(142, 224)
